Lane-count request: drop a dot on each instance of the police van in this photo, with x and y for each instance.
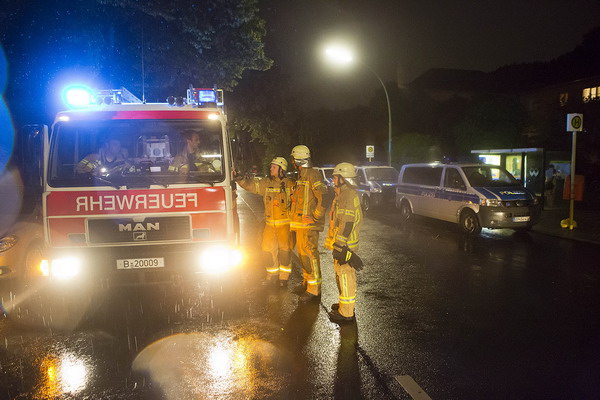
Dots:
(471, 195)
(376, 185)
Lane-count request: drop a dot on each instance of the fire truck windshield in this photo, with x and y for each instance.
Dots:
(136, 153)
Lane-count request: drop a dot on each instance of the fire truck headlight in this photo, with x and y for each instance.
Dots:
(65, 268)
(219, 259)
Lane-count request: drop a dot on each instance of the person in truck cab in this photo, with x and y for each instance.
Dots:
(191, 159)
(110, 158)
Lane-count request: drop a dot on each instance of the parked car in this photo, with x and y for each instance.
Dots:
(327, 174)
(376, 185)
(21, 250)
(471, 195)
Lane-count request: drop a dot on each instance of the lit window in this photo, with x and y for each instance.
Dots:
(593, 93)
(586, 95)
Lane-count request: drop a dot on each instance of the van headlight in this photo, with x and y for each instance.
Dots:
(220, 258)
(65, 268)
(8, 242)
(375, 187)
(491, 202)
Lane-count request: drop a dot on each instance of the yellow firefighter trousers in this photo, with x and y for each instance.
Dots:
(345, 277)
(306, 244)
(276, 242)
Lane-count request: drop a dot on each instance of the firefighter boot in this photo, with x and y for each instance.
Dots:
(309, 298)
(335, 316)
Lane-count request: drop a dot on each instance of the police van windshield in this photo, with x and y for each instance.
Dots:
(382, 174)
(489, 176)
(136, 153)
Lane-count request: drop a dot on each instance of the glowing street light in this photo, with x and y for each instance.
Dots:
(343, 56)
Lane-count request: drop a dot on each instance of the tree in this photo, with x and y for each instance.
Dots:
(491, 122)
(265, 117)
(415, 147)
(165, 44)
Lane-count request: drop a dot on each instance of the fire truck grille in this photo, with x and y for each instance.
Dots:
(126, 230)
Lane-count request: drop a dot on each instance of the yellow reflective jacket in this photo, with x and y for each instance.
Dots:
(308, 200)
(276, 196)
(182, 163)
(95, 161)
(345, 219)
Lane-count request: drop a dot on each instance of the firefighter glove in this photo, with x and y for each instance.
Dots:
(344, 255)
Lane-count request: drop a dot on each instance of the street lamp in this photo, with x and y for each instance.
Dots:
(343, 56)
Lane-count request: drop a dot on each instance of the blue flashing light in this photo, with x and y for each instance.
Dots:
(202, 96)
(206, 96)
(78, 96)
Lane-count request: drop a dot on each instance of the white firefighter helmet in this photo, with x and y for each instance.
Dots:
(282, 162)
(301, 156)
(346, 171)
(300, 152)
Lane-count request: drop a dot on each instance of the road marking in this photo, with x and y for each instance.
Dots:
(412, 388)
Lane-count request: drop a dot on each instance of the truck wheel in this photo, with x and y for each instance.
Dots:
(365, 203)
(31, 262)
(469, 223)
(405, 210)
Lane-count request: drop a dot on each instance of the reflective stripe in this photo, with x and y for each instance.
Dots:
(277, 222)
(315, 269)
(285, 269)
(299, 225)
(347, 300)
(272, 270)
(305, 199)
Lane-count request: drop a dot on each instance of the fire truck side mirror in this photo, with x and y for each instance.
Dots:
(30, 153)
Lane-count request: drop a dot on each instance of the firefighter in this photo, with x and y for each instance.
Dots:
(190, 158)
(276, 190)
(344, 224)
(110, 158)
(307, 220)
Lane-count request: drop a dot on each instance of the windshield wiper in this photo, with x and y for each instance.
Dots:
(106, 181)
(147, 184)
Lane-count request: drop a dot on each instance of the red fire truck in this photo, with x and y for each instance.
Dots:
(126, 197)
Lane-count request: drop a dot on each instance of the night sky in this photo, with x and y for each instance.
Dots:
(402, 39)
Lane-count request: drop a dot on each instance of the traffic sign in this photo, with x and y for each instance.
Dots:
(574, 122)
(370, 151)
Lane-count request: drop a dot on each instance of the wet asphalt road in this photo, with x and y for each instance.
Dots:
(499, 316)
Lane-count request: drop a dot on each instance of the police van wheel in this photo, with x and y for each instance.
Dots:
(405, 210)
(469, 223)
(365, 203)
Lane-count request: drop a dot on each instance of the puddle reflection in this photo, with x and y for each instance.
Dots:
(66, 374)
